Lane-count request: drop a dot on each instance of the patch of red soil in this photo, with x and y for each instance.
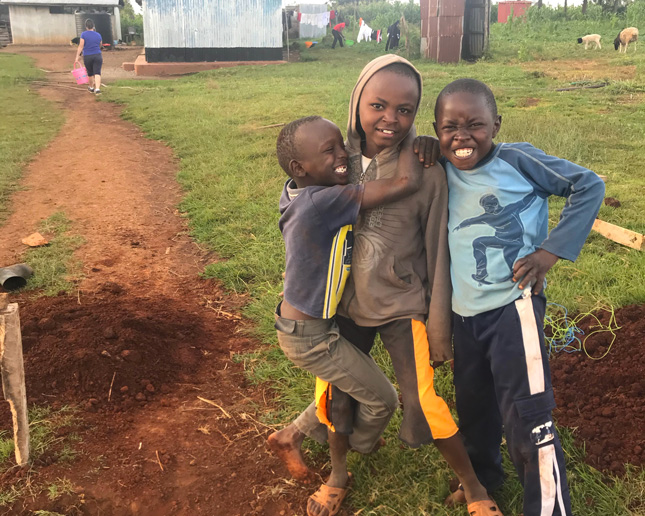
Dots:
(166, 422)
(604, 400)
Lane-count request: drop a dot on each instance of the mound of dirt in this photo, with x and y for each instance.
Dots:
(161, 403)
(135, 346)
(603, 400)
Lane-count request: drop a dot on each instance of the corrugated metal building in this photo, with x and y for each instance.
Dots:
(454, 29)
(56, 22)
(212, 30)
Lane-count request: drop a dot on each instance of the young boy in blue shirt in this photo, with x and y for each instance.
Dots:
(500, 253)
(318, 209)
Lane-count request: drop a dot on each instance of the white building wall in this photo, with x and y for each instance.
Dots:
(34, 25)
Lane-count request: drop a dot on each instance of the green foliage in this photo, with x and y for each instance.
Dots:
(46, 426)
(130, 19)
(635, 16)
(378, 15)
(61, 487)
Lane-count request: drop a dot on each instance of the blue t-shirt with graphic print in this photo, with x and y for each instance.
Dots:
(498, 213)
(316, 225)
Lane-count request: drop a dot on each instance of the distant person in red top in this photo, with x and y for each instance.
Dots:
(337, 31)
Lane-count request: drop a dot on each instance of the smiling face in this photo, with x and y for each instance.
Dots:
(386, 110)
(322, 159)
(465, 127)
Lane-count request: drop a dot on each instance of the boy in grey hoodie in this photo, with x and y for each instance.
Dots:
(400, 281)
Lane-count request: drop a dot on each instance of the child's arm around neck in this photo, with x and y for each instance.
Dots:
(405, 182)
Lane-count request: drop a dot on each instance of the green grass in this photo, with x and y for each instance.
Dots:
(27, 123)
(48, 433)
(61, 487)
(232, 183)
(55, 268)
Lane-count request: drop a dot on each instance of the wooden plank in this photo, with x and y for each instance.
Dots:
(617, 234)
(13, 379)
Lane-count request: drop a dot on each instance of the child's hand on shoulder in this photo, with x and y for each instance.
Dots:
(532, 269)
(427, 147)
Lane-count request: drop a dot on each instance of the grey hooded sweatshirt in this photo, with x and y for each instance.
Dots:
(401, 263)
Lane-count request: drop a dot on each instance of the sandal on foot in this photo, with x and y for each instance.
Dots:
(457, 497)
(484, 508)
(330, 498)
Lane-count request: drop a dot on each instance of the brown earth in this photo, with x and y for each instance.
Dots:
(168, 423)
(603, 399)
(141, 342)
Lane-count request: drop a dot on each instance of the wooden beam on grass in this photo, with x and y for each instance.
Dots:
(617, 234)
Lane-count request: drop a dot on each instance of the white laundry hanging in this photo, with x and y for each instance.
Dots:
(364, 33)
(315, 19)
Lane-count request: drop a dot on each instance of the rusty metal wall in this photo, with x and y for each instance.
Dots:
(518, 8)
(442, 29)
(212, 23)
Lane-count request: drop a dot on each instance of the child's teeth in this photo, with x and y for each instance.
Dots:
(462, 153)
(387, 132)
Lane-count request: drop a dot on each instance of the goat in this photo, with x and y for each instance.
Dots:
(625, 37)
(590, 38)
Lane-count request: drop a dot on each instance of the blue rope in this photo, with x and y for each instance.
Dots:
(565, 332)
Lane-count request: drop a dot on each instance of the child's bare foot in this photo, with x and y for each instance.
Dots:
(286, 445)
(457, 497)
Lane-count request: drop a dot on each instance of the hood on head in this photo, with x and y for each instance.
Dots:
(353, 134)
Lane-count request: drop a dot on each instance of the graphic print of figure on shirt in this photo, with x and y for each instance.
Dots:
(509, 230)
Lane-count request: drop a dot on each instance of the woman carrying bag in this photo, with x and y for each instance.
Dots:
(90, 45)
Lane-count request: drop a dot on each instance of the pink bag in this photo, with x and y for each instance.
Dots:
(80, 74)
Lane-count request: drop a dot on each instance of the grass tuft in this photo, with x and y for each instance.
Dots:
(55, 268)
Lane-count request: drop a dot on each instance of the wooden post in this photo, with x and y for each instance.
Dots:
(13, 376)
(617, 234)
(404, 28)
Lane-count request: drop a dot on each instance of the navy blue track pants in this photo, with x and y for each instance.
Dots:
(503, 383)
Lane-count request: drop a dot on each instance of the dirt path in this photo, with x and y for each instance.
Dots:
(142, 338)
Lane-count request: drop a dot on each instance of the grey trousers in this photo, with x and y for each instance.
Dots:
(317, 346)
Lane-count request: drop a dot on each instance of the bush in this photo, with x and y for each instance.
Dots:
(635, 16)
(129, 19)
(379, 15)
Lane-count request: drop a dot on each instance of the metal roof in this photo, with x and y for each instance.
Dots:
(107, 3)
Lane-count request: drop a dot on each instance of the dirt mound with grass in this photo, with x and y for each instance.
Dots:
(163, 419)
(603, 398)
(114, 346)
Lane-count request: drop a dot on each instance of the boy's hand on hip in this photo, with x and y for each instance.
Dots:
(427, 147)
(532, 269)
